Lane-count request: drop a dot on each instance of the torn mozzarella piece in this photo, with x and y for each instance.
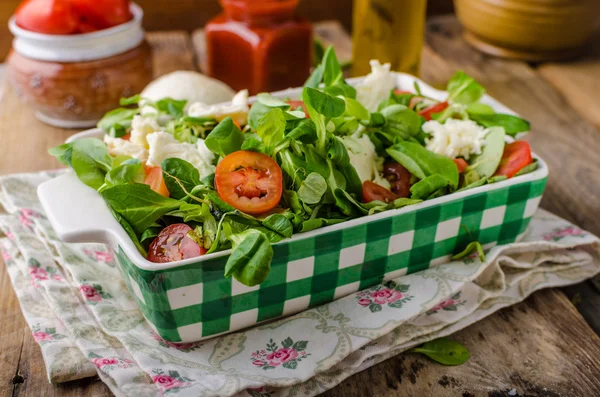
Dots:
(454, 138)
(376, 87)
(363, 157)
(121, 147)
(238, 109)
(164, 146)
(141, 127)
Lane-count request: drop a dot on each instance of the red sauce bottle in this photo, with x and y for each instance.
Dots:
(261, 45)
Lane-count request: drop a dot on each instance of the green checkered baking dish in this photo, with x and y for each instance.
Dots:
(191, 300)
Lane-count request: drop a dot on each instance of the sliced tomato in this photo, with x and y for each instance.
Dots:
(297, 104)
(399, 178)
(401, 92)
(154, 178)
(374, 192)
(461, 164)
(517, 155)
(47, 16)
(126, 137)
(249, 181)
(102, 14)
(431, 110)
(174, 243)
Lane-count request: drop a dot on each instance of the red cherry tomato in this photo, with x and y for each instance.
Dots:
(47, 16)
(401, 92)
(102, 14)
(154, 178)
(297, 104)
(399, 178)
(174, 244)
(249, 181)
(517, 155)
(431, 110)
(126, 137)
(461, 164)
(374, 192)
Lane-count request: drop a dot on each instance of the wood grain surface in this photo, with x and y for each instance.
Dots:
(541, 347)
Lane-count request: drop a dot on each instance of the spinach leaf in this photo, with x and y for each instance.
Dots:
(356, 109)
(471, 185)
(271, 128)
(338, 154)
(305, 131)
(139, 205)
(512, 124)
(133, 100)
(378, 206)
(317, 223)
(279, 224)
(478, 108)
(462, 88)
(485, 164)
(201, 214)
(422, 163)
(180, 177)
(150, 234)
(254, 144)
(401, 122)
(270, 101)
(117, 121)
(528, 168)
(130, 171)
(130, 232)
(226, 138)
(90, 161)
(316, 77)
(348, 205)
(322, 103)
(473, 247)
(62, 153)
(332, 73)
(444, 351)
(312, 189)
(172, 107)
(426, 187)
(250, 260)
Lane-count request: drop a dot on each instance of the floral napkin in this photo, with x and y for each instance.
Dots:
(86, 322)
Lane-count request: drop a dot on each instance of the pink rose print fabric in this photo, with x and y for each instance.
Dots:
(389, 294)
(107, 364)
(93, 293)
(287, 356)
(560, 233)
(45, 335)
(450, 304)
(170, 381)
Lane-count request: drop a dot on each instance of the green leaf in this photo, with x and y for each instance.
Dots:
(471, 248)
(315, 78)
(312, 189)
(486, 164)
(401, 122)
(62, 153)
(253, 143)
(426, 187)
(129, 230)
(356, 109)
(462, 88)
(90, 161)
(180, 177)
(512, 124)
(139, 205)
(478, 108)
(270, 101)
(171, 106)
(422, 163)
(250, 260)
(119, 118)
(133, 100)
(225, 139)
(279, 224)
(332, 73)
(322, 103)
(528, 168)
(271, 127)
(444, 351)
(305, 131)
(130, 171)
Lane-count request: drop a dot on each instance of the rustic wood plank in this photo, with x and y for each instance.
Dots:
(520, 348)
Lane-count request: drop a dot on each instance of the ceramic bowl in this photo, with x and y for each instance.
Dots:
(73, 80)
(191, 300)
(533, 30)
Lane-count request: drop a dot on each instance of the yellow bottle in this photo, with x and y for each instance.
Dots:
(390, 31)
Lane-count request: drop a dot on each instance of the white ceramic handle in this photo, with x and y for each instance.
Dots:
(77, 212)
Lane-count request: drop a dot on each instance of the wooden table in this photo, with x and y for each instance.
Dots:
(541, 347)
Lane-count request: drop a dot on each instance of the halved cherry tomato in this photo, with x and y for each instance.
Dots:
(249, 181)
(401, 92)
(399, 178)
(47, 16)
(126, 137)
(154, 178)
(461, 164)
(102, 14)
(173, 243)
(297, 104)
(374, 192)
(431, 110)
(517, 155)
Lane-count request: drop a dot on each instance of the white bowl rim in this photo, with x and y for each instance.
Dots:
(136, 10)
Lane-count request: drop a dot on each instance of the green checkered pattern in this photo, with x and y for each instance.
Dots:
(195, 301)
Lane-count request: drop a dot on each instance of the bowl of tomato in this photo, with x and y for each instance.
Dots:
(72, 60)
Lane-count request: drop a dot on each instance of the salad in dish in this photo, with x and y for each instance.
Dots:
(189, 179)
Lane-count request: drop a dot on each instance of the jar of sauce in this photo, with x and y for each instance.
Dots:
(261, 45)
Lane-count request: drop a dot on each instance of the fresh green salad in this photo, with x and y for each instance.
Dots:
(189, 179)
